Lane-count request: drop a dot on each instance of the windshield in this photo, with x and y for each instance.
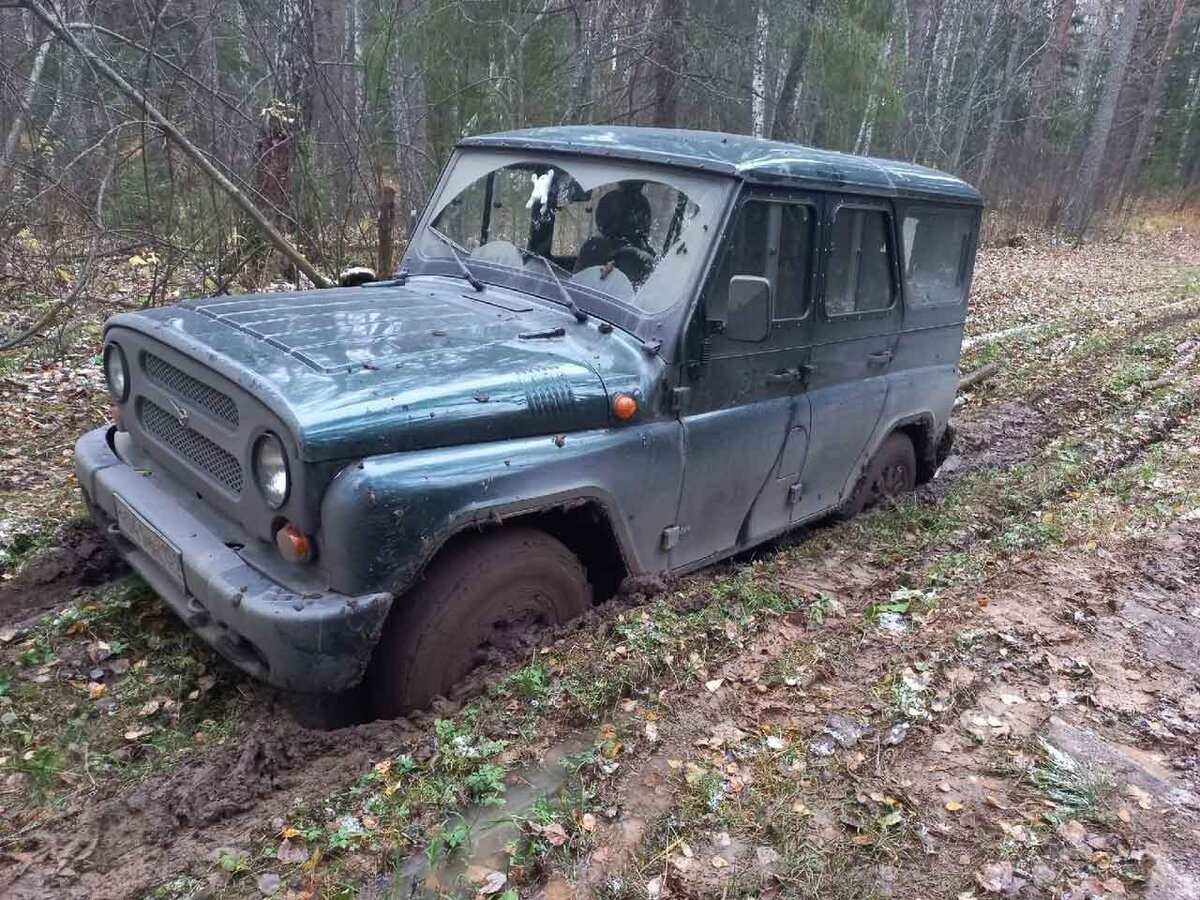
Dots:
(634, 233)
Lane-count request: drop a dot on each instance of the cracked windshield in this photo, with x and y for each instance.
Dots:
(630, 232)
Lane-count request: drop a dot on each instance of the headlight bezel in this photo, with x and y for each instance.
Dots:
(275, 499)
(113, 351)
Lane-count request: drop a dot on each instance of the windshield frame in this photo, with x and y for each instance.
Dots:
(716, 192)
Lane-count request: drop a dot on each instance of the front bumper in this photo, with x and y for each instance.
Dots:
(299, 637)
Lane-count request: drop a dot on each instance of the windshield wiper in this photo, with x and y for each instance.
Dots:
(568, 300)
(458, 258)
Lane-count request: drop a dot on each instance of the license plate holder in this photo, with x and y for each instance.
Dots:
(149, 540)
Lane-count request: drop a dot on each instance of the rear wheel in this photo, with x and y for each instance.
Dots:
(891, 472)
(482, 595)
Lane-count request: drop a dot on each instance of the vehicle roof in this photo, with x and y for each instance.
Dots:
(749, 158)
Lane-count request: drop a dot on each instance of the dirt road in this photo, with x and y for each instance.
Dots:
(991, 689)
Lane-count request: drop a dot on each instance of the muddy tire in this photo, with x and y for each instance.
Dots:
(480, 595)
(891, 472)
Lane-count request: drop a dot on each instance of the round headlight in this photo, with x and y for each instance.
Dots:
(116, 372)
(271, 470)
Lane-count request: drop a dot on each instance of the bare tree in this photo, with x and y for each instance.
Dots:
(1149, 117)
(1082, 205)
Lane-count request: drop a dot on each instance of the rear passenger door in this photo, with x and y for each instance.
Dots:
(853, 344)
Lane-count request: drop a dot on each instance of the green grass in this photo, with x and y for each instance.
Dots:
(1076, 790)
(66, 732)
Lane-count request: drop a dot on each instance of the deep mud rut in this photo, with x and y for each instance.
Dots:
(81, 559)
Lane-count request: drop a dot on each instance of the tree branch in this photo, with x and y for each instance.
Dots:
(272, 234)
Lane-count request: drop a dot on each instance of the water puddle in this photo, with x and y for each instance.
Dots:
(489, 830)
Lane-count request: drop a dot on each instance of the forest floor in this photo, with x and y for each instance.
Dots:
(989, 689)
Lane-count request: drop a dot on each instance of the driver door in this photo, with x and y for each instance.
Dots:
(746, 421)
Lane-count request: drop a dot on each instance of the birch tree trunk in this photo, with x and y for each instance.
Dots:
(758, 84)
(866, 128)
(1079, 212)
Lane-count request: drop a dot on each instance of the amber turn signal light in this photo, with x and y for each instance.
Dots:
(624, 406)
(293, 544)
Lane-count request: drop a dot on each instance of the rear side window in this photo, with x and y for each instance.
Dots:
(773, 241)
(937, 245)
(859, 271)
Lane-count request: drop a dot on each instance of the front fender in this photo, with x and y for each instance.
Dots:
(383, 518)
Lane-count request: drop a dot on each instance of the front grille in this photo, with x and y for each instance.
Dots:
(178, 382)
(192, 446)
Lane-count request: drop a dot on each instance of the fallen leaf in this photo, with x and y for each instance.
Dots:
(714, 685)
(95, 690)
(1142, 797)
(587, 822)
(493, 883)
(1072, 832)
(995, 877)
(554, 833)
(291, 853)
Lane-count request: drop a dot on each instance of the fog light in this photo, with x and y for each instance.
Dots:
(293, 544)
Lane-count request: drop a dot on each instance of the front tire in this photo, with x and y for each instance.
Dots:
(891, 472)
(478, 596)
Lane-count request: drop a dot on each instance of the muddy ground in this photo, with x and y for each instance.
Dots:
(990, 689)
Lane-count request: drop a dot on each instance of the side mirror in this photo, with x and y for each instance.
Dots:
(749, 311)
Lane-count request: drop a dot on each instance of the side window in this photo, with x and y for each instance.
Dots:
(937, 245)
(773, 241)
(859, 270)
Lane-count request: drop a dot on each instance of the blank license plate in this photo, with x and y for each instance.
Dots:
(148, 539)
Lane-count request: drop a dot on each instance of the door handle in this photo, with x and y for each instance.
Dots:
(798, 375)
(880, 357)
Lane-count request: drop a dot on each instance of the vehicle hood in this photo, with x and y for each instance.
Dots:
(361, 371)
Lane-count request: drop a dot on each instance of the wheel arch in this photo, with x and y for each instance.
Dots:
(583, 522)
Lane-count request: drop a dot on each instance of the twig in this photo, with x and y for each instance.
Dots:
(85, 272)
